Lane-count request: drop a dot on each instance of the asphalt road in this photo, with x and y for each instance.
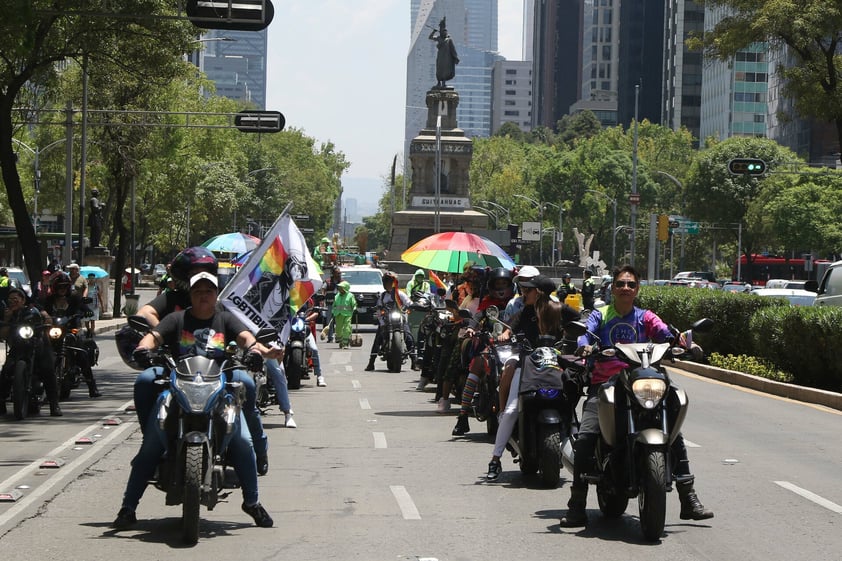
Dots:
(373, 473)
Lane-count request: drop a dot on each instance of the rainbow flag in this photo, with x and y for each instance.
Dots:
(437, 281)
(277, 278)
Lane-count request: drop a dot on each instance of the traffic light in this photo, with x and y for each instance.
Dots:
(259, 121)
(663, 227)
(237, 15)
(747, 166)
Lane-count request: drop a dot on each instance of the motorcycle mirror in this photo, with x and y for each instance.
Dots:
(702, 325)
(267, 335)
(139, 323)
(464, 314)
(575, 328)
(492, 311)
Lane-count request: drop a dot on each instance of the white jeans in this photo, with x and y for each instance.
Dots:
(507, 417)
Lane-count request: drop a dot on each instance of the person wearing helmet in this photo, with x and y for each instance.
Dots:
(566, 287)
(418, 283)
(320, 251)
(184, 266)
(344, 307)
(390, 297)
(64, 302)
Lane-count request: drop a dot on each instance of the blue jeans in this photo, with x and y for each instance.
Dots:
(276, 371)
(146, 396)
(240, 456)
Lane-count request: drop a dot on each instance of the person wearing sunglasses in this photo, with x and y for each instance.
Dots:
(621, 322)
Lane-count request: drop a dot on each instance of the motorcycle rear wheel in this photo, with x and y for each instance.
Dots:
(20, 390)
(192, 494)
(652, 499)
(293, 368)
(549, 455)
(64, 380)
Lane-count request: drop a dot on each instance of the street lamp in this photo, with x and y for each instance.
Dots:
(36, 152)
(613, 228)
(560, 231)
(500, 208)
(541, 220)
(490, 213)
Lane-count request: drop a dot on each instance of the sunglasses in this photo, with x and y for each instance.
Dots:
(624, 284)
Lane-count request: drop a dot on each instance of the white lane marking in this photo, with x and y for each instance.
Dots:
(63, 474)
(810, 496)
(349, 368)
(379, 439)
(356, 385)
(405, 503)
(689, 444)
(364, 404)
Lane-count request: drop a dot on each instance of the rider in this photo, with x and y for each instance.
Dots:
(189, 262)
(310, 318)
(566, 288)
(391, 296)
(196, 331)
(62, 302)
(621, 322)
(418, 284)
(19, 311)
(500, 291)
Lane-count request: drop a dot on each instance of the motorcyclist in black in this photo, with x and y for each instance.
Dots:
(18, 310)
(62, 302)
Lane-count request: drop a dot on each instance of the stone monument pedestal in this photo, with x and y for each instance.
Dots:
(411, 226)
(101, 257)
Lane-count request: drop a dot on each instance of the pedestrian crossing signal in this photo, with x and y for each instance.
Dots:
(747, 166)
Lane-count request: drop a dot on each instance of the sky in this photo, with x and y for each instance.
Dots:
(337, 70)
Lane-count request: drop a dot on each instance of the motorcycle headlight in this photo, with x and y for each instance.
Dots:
(649, 392)
(54, 333)
(395, 316)
(26, 332)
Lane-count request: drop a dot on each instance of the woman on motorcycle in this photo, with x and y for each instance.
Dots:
(390, 297)
(621, 322)
(63, 302)
(19, 311)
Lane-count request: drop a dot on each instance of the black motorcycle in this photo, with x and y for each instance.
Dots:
(485, 402)
(22, 342)
(393, 348)
(73, 345)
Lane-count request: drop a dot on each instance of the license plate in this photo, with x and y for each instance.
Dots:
(362, 309)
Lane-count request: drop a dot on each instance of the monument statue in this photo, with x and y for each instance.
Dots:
(446, 58)
(95, 218)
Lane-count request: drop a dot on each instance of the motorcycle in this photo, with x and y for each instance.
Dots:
(297, 362)
(197, 409)
(393, 348)
(640, 415)
(485, 402)
(27, 389)
(547, 397)
(70, 339)
(428, 342)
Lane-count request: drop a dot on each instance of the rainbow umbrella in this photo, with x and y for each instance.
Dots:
(233, 242)
(449, 251)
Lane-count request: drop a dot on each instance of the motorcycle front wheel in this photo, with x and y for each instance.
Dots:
(20, 390)
(549, 455)
(294, 368)
(652, 499)
(192, 494)
(395, 357)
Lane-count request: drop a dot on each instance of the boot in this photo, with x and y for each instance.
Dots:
(371, 360)
(462, 426)
(55, 410)
(691, 507)
(576, 516)
(92, 389)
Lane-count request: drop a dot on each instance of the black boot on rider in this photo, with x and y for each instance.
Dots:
(462, 426)
(691, 507)
(55, 410)
(370, 365)
(577, 515)
(93, 391)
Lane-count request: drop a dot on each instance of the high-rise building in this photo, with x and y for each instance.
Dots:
(512, 100)
(236, 62)
(557, 60)
(639, 60)
(682, 81)
(528, 29)
(472, 24)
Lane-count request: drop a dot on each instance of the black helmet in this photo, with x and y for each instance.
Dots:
(190, 259)
(493, 277)
(127, 339)
(390, 280)
(61, 279)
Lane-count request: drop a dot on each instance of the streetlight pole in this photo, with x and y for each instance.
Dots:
(634, 178)
(613, 227)
(560, 231)
(36, 153)
(541, 228)
(491, 214)
(500, 208)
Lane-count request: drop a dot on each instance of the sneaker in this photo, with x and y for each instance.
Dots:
(443, 405)
(262, 464)
(289, 422)
(422, 383)
(494, 470)
(125, 519)
(261, 517)
(320, 381)
(462, 426)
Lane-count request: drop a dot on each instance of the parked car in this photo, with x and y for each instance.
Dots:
(796, 297)
(159, 271)
(736, 286)
(704, 275)
(786, 283)
(366, 285)
(19, 279)
(830, 287)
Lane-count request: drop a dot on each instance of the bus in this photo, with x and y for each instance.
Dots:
(766, 267)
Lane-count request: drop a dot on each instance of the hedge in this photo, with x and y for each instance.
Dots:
(796, 339)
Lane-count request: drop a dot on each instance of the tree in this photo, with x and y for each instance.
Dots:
(811, 31)
(510, 130)
(580, 126)
(37, 35)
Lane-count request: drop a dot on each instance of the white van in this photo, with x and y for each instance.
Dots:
(830, 288)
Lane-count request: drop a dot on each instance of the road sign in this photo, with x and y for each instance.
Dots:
(634, 199)
(237, 15)
(531, 231)
(687, 228)
(259, 121)
(301, 217)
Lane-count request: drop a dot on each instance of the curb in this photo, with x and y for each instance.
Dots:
(780, 389)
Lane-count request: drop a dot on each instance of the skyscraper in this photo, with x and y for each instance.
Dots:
(236, 62)
(557, 60)
(473, 26)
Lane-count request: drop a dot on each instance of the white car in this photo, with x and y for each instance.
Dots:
(366, 285)
(795, 296)
(19, 279)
